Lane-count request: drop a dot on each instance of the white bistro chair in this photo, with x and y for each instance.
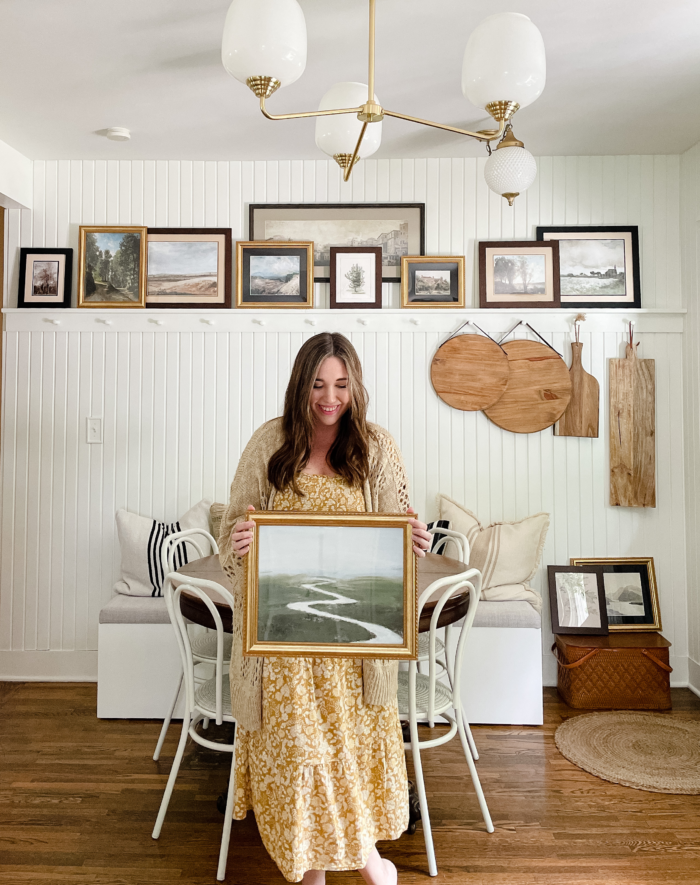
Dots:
(203, 644)
(208, 700)
(422, 696)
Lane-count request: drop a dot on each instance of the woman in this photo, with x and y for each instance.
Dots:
(319, 750)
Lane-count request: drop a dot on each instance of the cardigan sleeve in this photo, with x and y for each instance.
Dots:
(392, 490)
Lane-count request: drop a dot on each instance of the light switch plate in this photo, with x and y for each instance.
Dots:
(94, 430)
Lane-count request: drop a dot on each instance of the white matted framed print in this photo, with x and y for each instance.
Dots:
(45, 277)
(518, 274)
(331, 584)
(356, 277)
(189, 267)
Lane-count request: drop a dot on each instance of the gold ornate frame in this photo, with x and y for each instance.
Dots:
(407, 651)
(281, 246)
(647, 561)
(407, 260)
(143, 257)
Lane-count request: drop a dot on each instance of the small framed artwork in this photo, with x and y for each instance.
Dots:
(45, 277)
(631, 595)
(518, 274)
(432, 281)
(112, 267)
(356, 277)
(308, 593)
(577, 599)
(397, 228)
(189, 267)
(274, 276)
(598, 266)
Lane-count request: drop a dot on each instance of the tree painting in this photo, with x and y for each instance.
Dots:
(519, 274)
(356, 277)
(112, 266)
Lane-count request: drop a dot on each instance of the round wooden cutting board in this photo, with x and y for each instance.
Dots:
(470, 372)
(538, 392)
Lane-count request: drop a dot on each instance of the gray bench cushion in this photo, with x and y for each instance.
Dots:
(512, 613)
(134, 610)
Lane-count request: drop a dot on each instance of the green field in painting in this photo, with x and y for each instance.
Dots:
(377, 601)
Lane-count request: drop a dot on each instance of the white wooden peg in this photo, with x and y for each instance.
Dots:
(415, 321)
(363, 321)
(53, 322)
(259, 321)
(157, 322)
(208, 321)
(311, 322)
(103, 320)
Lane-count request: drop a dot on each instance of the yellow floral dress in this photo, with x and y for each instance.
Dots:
(325, 775)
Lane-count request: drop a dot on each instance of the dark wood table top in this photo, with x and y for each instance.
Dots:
(430, 568)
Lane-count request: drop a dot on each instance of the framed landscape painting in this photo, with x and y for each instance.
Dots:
(519, 274)
(45, 277)
(397, 228)
(598, 266)
(631, 595)
(112, 267)
(189, 267)
(432, 281)
(356, 277)
(274, 276)
(308, 593)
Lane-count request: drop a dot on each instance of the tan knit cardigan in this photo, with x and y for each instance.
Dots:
(385, 491)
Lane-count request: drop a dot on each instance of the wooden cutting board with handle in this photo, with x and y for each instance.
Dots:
(632, 431)
(470, 372)
(581, 415)
(538, 391)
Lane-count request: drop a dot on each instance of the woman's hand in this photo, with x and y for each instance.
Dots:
(421, 536)
(242, 536)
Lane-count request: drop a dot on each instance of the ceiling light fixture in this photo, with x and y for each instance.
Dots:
(504, 69)
(118, 133)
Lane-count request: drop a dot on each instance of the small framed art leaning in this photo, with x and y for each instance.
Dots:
(274, 275)
(518, 274)
(112, 266)
(45, 277)
(308, 592)
(356, 277)
(189, 267)
(577, 599)
(432, 281)
(631, 595)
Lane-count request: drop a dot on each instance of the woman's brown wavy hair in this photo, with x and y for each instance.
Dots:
(349, 454)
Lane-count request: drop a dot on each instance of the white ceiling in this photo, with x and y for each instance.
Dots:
(623, 77)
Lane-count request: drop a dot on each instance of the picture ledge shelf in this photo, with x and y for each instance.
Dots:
(443, 321)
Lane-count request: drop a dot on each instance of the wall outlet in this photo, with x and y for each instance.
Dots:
(94, 430)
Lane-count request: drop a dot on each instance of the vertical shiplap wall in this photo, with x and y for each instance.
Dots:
(178, 406)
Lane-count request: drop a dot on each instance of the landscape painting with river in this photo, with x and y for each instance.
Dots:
(330, 584)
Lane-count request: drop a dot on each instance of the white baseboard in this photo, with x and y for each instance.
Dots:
(48, 666)
(694, 676)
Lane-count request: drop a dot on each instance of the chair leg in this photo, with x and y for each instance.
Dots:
(228, 815)
(422, 798)
(167, 720)
(173, 775)
(475, 777)
(470, 738)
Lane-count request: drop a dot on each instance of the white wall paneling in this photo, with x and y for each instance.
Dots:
(179, 401)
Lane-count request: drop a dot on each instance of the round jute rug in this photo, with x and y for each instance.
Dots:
(646, 751)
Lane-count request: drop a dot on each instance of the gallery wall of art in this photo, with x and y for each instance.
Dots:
(178, 405)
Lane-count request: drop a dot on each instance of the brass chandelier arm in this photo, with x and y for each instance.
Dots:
(270, 116)
(355, 153)
(481, 135)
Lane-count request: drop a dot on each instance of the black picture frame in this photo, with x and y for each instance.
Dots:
(336, 303)
(64, 257)
(224, 288)
(632, 297)
(411, 214)
(561, 619)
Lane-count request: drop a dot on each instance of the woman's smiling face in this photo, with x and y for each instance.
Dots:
(330, 396)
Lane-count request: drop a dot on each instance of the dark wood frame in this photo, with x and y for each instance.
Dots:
(281, 247)
(228, 266)
(552, 571)
(254, 207)
(633, 230)
(525, 246)
(642, 565)
(409, 265)
(357, 305)
(24, 253)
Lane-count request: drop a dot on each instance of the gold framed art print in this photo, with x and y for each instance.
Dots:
(274, 274)
(112, 266)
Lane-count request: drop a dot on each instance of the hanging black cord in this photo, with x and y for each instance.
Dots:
(522, 323)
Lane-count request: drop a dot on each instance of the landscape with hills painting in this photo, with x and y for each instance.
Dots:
(275, 275)
(183, 269)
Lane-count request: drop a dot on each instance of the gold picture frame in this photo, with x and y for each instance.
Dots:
(274, 259)
(639, 589)
(321, 549)
(442, 273)
(101, 282)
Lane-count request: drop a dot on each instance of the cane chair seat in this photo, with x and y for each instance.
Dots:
(443, 696)
(205, 696)
(204, 647)
(424, 646)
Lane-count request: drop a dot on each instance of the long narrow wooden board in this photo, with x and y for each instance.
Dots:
(632, 431)
(581, 415)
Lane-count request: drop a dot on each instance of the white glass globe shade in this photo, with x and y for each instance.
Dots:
(510, 170)
(338, 134)
(264, 38)
(504, 61)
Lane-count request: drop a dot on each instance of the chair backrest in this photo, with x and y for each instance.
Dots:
(457, 540)
(197, 587)
(175, 544)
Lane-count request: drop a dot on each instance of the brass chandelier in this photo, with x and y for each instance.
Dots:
(264, 46)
